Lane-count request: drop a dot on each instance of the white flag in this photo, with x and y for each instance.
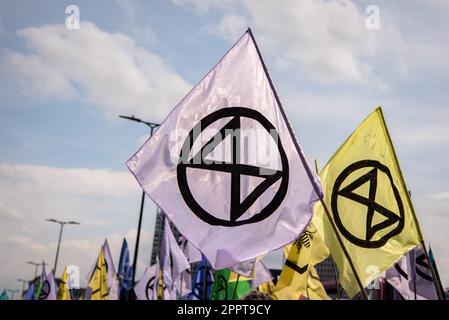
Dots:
(192, 253)
(224, 166)
(244, 268)
(174, 261)
(261, 274)
(410, 273)
(48, 289)
(114, 289)
(144, 289)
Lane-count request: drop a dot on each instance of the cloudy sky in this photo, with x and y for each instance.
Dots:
(63, 147)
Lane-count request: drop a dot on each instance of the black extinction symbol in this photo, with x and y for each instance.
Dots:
(391, 218)
(149, 288)
(222, 285)
(45, 290)
(235, 168)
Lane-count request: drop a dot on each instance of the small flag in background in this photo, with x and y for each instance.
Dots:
(4, 295)
(369, 204)
(29, 294)
(125, 271)
(261, 274)
(412, 273)
(144, 289)
(174, 261)
(243, 185)
(223, 289)
(99, 281)
(47, 286)
(64, 292)
(308, 250)
(202, 278)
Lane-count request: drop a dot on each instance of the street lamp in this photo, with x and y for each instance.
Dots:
(23, 285)
(152, 126)
(12, 293)
(36, 266)
(62, 224)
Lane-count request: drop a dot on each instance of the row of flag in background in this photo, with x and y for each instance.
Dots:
(232, 209)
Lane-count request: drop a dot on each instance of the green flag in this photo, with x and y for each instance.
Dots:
(224, 290)
(38, 287)
(4, 295)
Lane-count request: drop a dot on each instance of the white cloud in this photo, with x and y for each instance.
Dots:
(98, 67)
(326, 39)
(105, 202)
(202, 6)
(230, 27)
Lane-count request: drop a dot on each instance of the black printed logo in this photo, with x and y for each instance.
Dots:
(393, 222)
(235, 168)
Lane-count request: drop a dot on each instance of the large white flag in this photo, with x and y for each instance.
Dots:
(412, 273)
(144, 289)
(224, 166)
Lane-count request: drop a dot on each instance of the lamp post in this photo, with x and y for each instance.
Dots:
(12, 293)
(62, 224)
(152, 126)
(23, 286)
(36, 266)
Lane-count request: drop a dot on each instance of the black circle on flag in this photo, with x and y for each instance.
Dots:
(235, 168)
(395, 219)
(45, 290)
(149, 288)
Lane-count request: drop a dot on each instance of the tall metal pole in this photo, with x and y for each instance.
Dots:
(23, 286)
(142, 202)
(36, 267)
(61, 223)
(139, 226)
(12, 293)
(59, 245)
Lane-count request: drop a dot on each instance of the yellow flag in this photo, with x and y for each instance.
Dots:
(315, 289)
(64, 293)
(99, 281)
(234, 276)
(267, 287)
(307, 251)
(369, 203)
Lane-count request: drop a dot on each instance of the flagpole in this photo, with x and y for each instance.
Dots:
(436, 281)
(336, 280)
(439, 286)
(436, 270)
(142, 202)
(235, 288)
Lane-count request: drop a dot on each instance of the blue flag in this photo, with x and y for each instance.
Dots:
(202, 273)
(29, 295)
(125, 272)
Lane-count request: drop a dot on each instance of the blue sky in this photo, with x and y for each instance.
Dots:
(63, 147)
